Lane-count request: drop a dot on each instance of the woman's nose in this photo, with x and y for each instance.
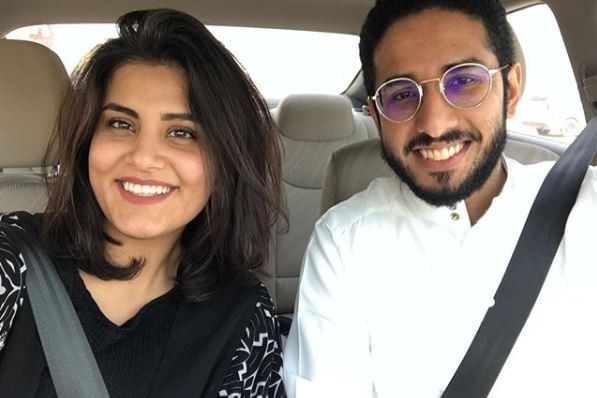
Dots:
(146, 152)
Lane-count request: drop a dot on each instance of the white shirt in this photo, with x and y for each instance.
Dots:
(393, 291)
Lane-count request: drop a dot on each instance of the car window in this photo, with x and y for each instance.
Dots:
(550, 105)
(279, 61)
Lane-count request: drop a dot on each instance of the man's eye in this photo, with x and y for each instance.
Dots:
(119, 124)
(404, 95)
(182, 133)
(462, 81)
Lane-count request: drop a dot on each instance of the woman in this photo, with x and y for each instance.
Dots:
(169, 185)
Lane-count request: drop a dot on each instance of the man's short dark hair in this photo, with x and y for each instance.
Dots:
(386, 12)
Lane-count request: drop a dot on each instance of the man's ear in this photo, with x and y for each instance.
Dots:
(374, 114)
(514, 89)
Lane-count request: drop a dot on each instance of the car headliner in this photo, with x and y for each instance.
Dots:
(576, 20)
(343, 16)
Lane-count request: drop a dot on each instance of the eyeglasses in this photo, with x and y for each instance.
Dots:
(463, 86)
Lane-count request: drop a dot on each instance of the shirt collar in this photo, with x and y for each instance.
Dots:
(453, 217)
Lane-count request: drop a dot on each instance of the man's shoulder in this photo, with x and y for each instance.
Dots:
(588, 189)
(591, 176)
(538, 171)
(382, 196)
(543, 167)
(527, 178)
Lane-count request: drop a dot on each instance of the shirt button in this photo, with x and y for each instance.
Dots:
(452, 207)
(455, 216)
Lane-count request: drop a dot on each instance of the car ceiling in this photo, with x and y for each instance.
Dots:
(326, 15)
(577, 20)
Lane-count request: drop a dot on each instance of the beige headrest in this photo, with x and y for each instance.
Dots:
(32, 84)
(315, 117)
(350, 169)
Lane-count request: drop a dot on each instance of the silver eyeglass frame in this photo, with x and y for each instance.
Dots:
(491, 72)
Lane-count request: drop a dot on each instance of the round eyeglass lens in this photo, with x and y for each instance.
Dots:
(466, 86)
(399, 99)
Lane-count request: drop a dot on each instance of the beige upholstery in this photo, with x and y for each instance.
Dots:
(367, 120)
(32, 84)
(312, 127)
(352, 168)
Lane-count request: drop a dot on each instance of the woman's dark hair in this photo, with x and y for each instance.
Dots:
(386, 12)
(233, 231)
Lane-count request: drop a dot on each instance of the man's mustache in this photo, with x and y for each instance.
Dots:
(425, 139)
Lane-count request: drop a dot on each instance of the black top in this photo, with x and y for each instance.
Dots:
(131, 357)
(128, 355)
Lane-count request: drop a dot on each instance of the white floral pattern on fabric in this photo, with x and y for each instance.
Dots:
(12, 279)
(256, 368)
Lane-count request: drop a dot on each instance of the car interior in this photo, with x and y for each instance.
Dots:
(331, 144)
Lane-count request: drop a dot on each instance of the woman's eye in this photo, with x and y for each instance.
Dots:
(119, 124)
(182, 133)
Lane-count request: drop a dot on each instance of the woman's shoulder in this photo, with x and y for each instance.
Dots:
(256, 367)
(245, 287)
(25, 220)
(264, 306)
(259, 305)
(12, 270)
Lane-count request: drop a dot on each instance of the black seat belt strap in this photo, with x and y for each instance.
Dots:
(71, 362)
(526, 272)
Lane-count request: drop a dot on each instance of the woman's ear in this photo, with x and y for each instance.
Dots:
(514, 89)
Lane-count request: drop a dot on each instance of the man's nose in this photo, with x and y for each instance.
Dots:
(435, 115)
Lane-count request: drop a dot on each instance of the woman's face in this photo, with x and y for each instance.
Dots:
(147, 169)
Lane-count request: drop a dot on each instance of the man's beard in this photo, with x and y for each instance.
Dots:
(445, 194)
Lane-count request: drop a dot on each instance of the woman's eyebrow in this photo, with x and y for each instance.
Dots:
(119, 108)
(178, 116)
(166, 116)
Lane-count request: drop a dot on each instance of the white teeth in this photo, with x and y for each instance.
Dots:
(441, 154)
(145, 190)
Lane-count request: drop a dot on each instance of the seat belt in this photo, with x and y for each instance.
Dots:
(526, 272)
(72, 365)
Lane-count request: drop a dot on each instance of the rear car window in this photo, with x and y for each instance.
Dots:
(550, 106)
(279, 61)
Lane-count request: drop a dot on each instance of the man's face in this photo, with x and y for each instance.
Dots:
(444, 154)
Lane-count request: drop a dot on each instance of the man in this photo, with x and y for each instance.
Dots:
(397, 279)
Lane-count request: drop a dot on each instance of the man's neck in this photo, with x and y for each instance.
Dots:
(478, 203)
